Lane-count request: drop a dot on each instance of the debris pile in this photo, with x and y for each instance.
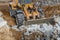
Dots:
(42, 31)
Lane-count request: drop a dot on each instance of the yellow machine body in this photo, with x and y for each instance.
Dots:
(31, 13)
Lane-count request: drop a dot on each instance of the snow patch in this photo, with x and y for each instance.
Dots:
(1, 14)
(2, 22)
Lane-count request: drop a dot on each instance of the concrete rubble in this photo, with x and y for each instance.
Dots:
(45, 29)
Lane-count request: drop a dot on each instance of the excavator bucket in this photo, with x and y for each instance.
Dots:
(39, 21)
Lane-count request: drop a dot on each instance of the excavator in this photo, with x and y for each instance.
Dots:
(25, 12)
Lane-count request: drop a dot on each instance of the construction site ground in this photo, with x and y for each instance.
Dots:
(7, 33)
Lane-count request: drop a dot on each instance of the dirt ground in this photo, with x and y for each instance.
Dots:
(9, 34)
(8, 18)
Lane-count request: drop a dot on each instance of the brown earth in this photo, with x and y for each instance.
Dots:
(5, 10)
(9, 34)
(51, 10)
(8, 18)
